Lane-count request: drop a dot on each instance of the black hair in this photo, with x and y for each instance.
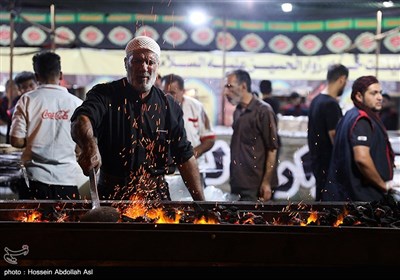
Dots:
(266, 86)
(170, 78)
(294, 95)
(242, 76)
(335, 71)
(23, 77)
(387, 96)
(47, 64)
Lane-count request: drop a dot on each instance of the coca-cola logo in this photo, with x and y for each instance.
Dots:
(59, 115)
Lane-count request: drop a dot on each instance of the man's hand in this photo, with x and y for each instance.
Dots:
(392, 185)
(90, 159)
(265, 192)
(88, 153)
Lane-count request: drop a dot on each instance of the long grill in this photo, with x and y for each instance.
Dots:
(232, 234)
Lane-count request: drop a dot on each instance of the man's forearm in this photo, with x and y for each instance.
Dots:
(17, 142)
(82, 134)
(82, 131)
(367, 167)
(270, 166)
(205, 146)
(191, 176)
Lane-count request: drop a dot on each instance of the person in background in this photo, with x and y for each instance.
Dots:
(7, 104)
(295, 107)
(362, 159)
(254, 141)
(129, 129)
(197, 124)
(323, 115)
(388, 114)
(25, 81)
(266, 91)
(41, 125)
(158, 82)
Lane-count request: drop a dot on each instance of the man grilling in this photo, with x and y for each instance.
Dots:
(131, 131)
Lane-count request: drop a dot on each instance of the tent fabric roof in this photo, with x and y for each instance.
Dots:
(235, 9)
(314, 27)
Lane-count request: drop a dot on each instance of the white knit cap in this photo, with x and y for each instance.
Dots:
(143, 42)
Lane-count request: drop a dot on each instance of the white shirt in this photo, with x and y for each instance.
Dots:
(196, 129)
(195, 124)
(43, 117)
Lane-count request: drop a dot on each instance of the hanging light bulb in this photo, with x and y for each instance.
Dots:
(286, 7)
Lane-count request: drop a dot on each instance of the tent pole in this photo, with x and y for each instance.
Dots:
(53, 27)
(12, 27)
(378, 42)
(223, 72)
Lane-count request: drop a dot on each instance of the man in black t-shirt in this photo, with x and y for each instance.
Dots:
(389, 114)
(323, 115)
(130, 130)
(266, 91)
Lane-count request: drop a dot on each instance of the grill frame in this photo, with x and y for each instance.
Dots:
(131, 244)
(138, 244)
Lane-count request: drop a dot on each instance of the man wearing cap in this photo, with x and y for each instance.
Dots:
(130, 130)
(362, 162)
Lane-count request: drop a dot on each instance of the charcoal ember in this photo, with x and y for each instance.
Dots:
(229, 216)
(48, 213)
(204, 214)
(331, 216)
(125, 218)
(369, 210)
(349, 220)
(247, 216)
(259, 220)
(389, 211)
(294, 221)
(313, 223)
(357, 210)
(188, 217)
(51, 214)
(287, 218)
(139, 219)
(368, 221)
(386, 221)
(391, 201)
(233, 220)
(63, 216)
(170, 213)
(379, 213)
(234, 208)
(251, 218)
(324, 220)
(360, 210)
(220, 208)
(226, 215)
(353, 209)
(214, 215)
(192, 216)
(388, 198)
